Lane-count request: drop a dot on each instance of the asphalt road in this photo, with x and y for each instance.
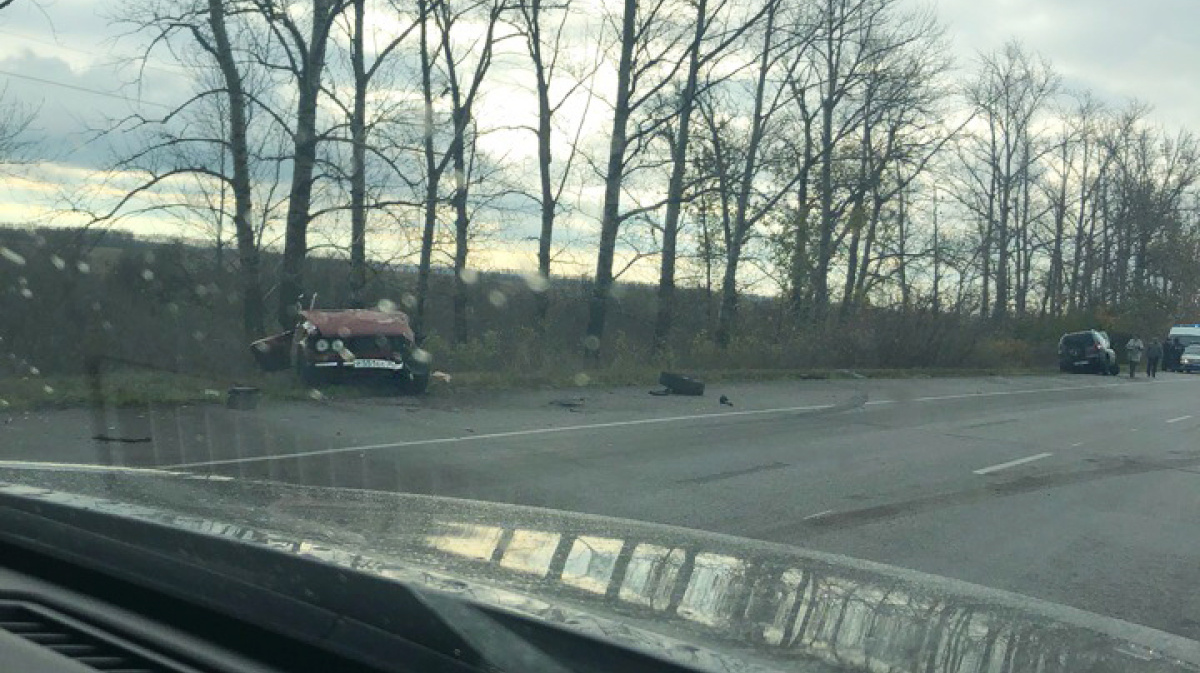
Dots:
(1081, 490)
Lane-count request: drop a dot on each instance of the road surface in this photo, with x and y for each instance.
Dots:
(1081, 490)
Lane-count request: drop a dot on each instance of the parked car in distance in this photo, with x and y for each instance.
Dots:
(1190, 360)
(1087, 351)
(335, 344)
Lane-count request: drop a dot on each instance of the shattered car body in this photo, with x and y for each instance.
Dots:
(332, 344)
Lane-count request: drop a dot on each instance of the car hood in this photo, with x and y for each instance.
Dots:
(708, 600)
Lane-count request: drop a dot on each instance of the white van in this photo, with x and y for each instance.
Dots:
(1187, 334)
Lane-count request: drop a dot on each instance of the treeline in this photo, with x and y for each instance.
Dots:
(818, 151)
(69, 295)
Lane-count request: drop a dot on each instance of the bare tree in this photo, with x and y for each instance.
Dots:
(301, 55)
(647, 63)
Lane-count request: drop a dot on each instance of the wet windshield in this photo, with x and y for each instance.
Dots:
(819, 274)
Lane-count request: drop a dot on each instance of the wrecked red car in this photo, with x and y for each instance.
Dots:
(329, 345)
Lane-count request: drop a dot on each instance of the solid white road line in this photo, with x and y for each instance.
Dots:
(1181, 418)
(1012, 463)
(502, 435)
(818, 515)
(615, 424)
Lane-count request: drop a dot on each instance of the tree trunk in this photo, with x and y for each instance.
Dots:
(614, 174)
(358, 162)
(248, 251)
(295, 246)
(666, 276)
(545, 158)
(432, 174)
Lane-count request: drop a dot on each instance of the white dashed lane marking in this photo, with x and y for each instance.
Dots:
(1012, 463)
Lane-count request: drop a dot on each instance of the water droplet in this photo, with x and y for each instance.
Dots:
(316, 394)
(83, 267)
(386, 306)
(469, 276)
(409, 300)
(58, 262)
(421, 355)
(582, 379)
(201, 290)
(34, 371)
(497, 298)
(12, 256)
(27, 293)
(3, 403)
(592, 343)
(106, 326)
(536, 282)
(147, 275)
(48, 390)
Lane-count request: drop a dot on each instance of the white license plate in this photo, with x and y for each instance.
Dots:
(376, 364)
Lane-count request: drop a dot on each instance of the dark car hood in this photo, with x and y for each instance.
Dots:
(708, 600)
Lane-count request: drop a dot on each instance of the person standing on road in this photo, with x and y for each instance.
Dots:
(1154, 355)
(1133, 349)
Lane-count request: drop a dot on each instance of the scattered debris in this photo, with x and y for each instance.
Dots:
(122, 440)
(725, 401)
(571, 403)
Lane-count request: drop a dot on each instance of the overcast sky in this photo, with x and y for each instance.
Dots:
(1149, 50)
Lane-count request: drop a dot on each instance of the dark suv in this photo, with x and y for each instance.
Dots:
(1088, 351)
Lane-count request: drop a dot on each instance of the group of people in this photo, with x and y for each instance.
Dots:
(1165, 353)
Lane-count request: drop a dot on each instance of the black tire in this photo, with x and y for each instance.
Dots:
(679, 384)
(1114, 369)
(306, 373)
(416, 384)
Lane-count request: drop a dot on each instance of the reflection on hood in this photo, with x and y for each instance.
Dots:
(709, 600)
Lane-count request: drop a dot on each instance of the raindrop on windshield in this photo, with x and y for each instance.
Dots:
(3, 403)
(48, 390)
(58, 262)
(316, 394)
(409, 300)
(582, 379)
(83, 267)
(147, 275)
(536, 282)
(34, 371)
(12, 256)
(497, 298)
(386, 306)
(198, 335)
(201, 290)
(27, 293)
(469, 276)
(421, 355)
(592, 343)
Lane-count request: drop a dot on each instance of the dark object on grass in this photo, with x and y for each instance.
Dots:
(679, 384)
(725, 401)
(242, 397)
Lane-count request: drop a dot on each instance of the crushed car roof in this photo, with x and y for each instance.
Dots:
(359, 322)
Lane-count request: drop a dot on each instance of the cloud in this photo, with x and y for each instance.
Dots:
(1120, 50)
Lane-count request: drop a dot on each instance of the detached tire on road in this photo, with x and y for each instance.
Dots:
(679, 384)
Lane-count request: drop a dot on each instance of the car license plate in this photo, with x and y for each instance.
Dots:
(376, 364)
